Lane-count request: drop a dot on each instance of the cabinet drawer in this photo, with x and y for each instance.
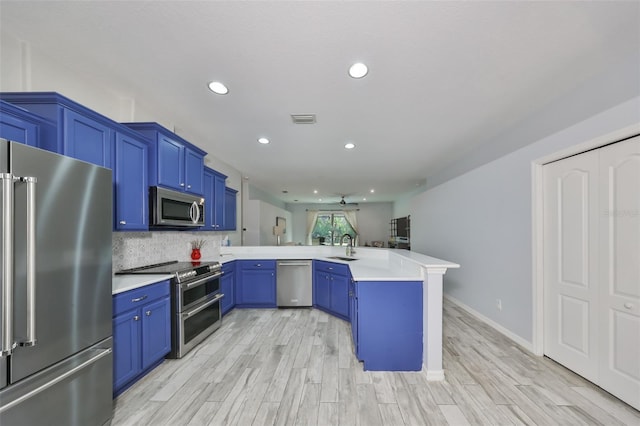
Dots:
(135, 298)
(258, 264)
(331, 267)
(229, 267)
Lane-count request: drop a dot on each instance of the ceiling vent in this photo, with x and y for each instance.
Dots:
(303, 118)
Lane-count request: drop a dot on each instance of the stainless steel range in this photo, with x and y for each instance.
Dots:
(195, 301)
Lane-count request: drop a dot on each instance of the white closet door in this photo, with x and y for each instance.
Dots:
(619, 292)
(571, 263)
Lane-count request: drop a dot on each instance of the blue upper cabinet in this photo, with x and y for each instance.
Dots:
(230, 209)
(81, 132)
(173, 162)
(19, 125)
(131, 182)
(214, 195)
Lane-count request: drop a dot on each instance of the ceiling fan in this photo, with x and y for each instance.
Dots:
(344, 203)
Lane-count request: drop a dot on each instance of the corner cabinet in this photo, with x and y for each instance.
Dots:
(228, 284)
(141, 332)
(256, 283)
(131, 182)
(81, 133)
(173, 162)
(331, 288)
(386, 324)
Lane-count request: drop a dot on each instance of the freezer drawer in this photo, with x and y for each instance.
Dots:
(76, 391)
(294, 285)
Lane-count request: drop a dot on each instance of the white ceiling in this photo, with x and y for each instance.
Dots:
(445, 77)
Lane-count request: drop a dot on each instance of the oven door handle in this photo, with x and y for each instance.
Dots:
(187, 286)
(202, 307)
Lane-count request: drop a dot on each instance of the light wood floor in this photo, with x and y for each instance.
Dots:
(296, 367)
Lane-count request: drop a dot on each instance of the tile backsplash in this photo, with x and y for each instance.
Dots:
(131, 249)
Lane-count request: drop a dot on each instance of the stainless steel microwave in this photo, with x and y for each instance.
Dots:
(175, 209)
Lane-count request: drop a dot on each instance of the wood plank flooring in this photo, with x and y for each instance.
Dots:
(296, 367)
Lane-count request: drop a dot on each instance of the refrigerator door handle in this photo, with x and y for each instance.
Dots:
(31, 261)
(7, 343)
(64, 376)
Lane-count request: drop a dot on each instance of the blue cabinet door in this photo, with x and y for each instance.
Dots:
(156, 338)
(126, 348)
(209, 202)
(194, 168)
(227, 284)
(170, 163)
(353, 314)
(87, 139)
(339, 294)
(229, 209)
(14, 126)
(132, 188)
(218, 200)
(322, 290)
(256, 283)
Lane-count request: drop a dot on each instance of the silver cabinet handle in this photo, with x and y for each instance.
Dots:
(123, 222)
(31, 261)
(148, 313)
(182, 184)
(188, 186)
(136, 318)
(258, 265)
(138, 299)
(7, 344)
(628, 305)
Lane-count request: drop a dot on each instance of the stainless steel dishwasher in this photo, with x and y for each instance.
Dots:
(294, 286)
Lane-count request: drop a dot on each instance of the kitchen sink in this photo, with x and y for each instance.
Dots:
(346, 259)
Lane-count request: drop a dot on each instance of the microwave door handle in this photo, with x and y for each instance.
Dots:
(191, 211)
(195, 212)
(31, 261)
(6, 330)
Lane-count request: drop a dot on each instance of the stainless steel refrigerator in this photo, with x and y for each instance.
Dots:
(56, 341)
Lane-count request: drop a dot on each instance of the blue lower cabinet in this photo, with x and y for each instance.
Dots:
(141, 332)
(256, 283)
(384, 341)
(331, 288)
(227, 285)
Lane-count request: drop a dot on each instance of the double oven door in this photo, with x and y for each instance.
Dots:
(197, 312)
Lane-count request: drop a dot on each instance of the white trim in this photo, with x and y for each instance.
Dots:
(537, 225)
(433, 375)
(517, 339)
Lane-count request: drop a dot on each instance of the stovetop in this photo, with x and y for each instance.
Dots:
(181, 270)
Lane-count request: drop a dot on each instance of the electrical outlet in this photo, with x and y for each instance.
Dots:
(499, 304)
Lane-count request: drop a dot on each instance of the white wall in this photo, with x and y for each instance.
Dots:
(483, 221)
(373, 220)
(260, 218)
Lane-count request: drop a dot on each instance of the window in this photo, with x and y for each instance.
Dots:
(330, 228)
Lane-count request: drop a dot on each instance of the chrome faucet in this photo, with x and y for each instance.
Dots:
(350, 250)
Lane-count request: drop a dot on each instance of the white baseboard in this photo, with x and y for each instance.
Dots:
(433, 375)
(517, 339)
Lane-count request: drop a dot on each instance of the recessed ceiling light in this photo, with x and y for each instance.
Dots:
(364, 199)
(218, 88)
(315, 191)
(358, 70)
(372, 191)
(263, 141)
(350, 145)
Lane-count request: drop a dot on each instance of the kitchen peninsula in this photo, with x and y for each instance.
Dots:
(372, 268)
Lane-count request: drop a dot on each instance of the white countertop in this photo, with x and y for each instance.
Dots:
(122, 283)
(372, 264)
